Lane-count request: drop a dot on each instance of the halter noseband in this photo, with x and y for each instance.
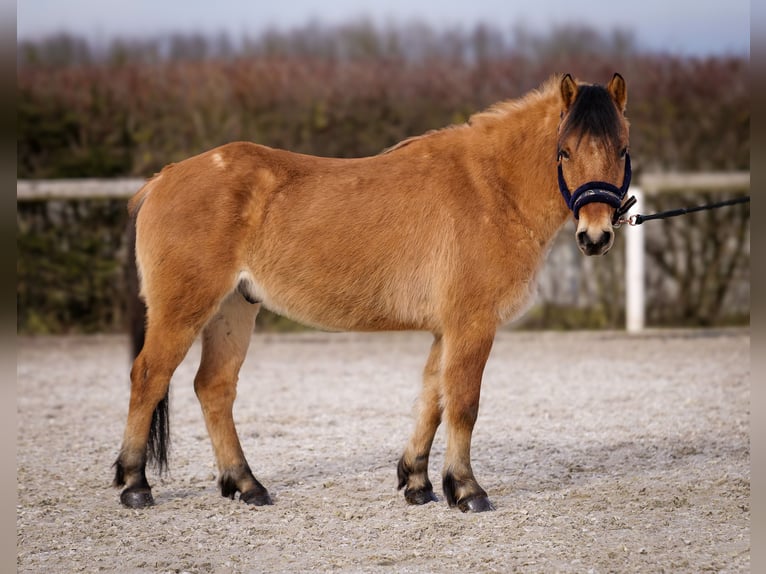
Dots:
(595, 191)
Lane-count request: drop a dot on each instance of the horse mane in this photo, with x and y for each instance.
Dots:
(504, 108)
(495, 112)
(428, 134)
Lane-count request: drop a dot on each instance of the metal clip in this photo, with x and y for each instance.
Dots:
(623, 220)
(620, 212)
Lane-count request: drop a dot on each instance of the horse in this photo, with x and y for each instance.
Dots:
(443, 232)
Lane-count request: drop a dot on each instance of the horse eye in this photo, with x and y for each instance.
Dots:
(623, 152)
(563, 154)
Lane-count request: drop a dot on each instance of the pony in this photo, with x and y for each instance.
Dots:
(443, 232)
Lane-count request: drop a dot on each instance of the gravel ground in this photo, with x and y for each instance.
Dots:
(602, 452)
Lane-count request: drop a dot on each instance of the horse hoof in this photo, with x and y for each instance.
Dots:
(137, 498)
(420, 496)
(476, 504)
(256, 497)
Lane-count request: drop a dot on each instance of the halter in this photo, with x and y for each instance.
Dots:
(595, 191)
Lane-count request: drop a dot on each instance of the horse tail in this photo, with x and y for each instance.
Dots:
(159, 433)
(136, 308)
(159, 436)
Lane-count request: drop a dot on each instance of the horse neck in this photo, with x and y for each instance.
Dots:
(520, 163)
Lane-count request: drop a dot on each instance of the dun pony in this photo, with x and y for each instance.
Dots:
(444, 232)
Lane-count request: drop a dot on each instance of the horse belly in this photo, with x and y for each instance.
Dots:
(340, 303)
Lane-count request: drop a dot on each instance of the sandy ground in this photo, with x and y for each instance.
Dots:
(602, 453)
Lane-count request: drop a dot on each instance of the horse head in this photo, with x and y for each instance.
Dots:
(593, 158)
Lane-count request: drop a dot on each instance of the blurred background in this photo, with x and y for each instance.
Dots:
(109, 94)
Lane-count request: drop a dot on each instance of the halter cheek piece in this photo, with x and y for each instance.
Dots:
(595, 191)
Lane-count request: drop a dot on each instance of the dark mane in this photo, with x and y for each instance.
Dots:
(594, 113)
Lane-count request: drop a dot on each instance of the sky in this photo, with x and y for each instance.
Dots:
(688, 27)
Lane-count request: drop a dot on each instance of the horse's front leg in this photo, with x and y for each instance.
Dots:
(465, 354)
(413, 466)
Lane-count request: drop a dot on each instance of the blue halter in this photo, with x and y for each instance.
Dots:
(595, 191)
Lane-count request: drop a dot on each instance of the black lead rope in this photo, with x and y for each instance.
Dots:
(638, 219)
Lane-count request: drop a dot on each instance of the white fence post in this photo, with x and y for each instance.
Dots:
(635, 318)
(634, 270)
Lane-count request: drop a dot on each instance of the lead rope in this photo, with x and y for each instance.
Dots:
(638, 219)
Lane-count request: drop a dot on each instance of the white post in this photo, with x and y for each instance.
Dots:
(634, 270)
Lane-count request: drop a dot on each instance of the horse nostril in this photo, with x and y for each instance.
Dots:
(602, 242)
(598, 246)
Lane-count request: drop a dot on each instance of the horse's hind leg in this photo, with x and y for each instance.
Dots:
(224, 344)
(465, 354)
(413, 466)
(165, 346)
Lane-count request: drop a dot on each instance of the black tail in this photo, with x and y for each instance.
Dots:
(159, 433)
(159, 436)
(136, 309)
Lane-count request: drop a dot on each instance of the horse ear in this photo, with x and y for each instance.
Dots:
(568, 91)
(619, 91)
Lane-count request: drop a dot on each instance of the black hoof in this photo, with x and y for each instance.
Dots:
(256, 497)
(137, 498)
(475, 504)
(475, 501)
(420, 496)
